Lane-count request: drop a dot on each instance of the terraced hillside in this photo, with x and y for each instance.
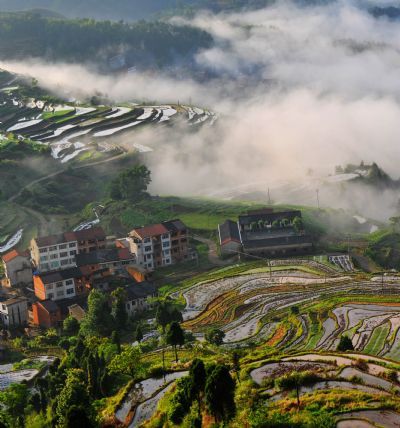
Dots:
(298, 305)
(70, 129)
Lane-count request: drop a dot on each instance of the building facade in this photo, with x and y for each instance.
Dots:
(159, 244)
(18, 269)
(58, 285)
(46, 314)
(55, 252)
(14, 312)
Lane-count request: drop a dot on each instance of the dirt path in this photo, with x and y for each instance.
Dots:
(213, 251)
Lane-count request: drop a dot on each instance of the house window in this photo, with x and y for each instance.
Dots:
(50, 295)
(49, 287)
(146, 240)
(60, 293)
(72, 245)
(62, 246)
(59, 284)
(64, 262)
(53, 256)
(147, 248)
(64, 254)
(70, 291)
(43, 250)
(128, 306)
(167, 261)
(72, 253)
(165, 244)
(53, 248)
(69, 282)
(43, 258)
(165, 236)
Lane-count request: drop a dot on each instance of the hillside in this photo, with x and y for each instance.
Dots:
(126, 9)
(151, 44)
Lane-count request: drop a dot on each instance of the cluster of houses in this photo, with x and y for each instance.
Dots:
(54, 278)
(265, 233)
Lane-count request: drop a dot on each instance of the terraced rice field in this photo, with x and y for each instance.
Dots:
(256, 306)
(72, 129)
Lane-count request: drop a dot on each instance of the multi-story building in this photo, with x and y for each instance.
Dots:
(17, 268)
(58, 251)
(160, 244)
(58, 285)
(14, 311)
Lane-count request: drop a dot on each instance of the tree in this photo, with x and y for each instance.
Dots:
(74, 393)
(219, 394)
(215, 336)
(162, 316)
(116, 340)
(14, 401)
(296, 380)
(97, 320)
(131, 184)
(198, 376)
(175, 337)
(236, 363)
(138, 333)
(127, 362)
(77, 417)
(345, 344)
(118, 311)
(70, 326)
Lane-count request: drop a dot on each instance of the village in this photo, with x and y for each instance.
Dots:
(51, 280)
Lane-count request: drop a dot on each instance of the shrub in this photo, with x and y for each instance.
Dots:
(361, 365)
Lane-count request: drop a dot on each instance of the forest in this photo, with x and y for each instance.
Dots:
(30, 34)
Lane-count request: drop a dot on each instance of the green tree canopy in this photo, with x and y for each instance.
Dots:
(215, 336)
(345, 344)
(131, 184)
(127, 362)
(118, 311)
(175, 336)
(97, 320)
(219, 394)
(74, 393)
(70, 326)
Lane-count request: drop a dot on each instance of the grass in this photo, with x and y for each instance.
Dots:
(377, 339)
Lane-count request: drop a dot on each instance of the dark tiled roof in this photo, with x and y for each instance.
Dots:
(15, 300)
(140, 290)
(270, 217)
(229, 231)
(45, 241)
(81, 235)
(276, 242)
(174, 225)
(103, 256)
(49, 305)
(92, 233)
(60, 275)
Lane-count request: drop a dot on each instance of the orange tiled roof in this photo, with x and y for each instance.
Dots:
(11, 255)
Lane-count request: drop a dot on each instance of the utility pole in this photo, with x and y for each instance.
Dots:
(269, 197)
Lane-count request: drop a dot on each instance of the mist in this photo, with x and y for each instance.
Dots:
(297, 91)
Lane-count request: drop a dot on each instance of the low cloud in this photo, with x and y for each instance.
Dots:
(295, 88)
